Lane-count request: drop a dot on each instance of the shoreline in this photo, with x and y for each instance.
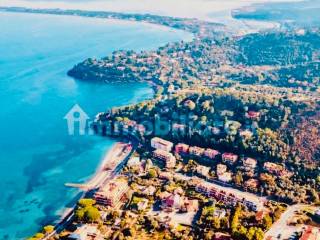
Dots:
(190, 8)
(100, 176)
(65, 210)
(102, 20)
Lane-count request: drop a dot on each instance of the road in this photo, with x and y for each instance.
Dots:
(280, 230)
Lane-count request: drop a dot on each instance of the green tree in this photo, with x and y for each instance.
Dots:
(86, 202)
(48, 229)
(267, 221)
(79, 214)
(216, 223)
(152, 173)
(92, 214)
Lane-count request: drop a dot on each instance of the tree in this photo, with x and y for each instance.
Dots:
(267, 221)
(235, 219)
(79, 214)
(92, 214)
(48, 229)
(86, 211)
(209, 235)
(86, 202)
(216, 223)
(238, 179)
(152, 173)
(224, 223)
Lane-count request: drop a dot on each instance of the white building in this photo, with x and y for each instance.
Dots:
(159, 143)
(225, 177)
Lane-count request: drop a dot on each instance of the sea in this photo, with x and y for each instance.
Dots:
(37, 154)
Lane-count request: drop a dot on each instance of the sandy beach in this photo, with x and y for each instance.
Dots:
(107, 168)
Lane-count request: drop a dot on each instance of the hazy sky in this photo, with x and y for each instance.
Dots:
(180, 8)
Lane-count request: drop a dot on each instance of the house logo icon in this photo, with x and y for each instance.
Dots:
(76, 116)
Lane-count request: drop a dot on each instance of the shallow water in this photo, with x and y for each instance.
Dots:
(37, 156)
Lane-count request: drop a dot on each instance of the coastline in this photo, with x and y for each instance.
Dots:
(100, 161)
(101, 20)
(110, 165)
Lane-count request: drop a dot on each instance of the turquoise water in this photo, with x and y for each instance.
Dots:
(37, 156)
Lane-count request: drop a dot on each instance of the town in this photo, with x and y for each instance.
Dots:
(228, 148)
(163, 195)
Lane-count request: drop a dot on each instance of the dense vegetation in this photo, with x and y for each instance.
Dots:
(219, 120)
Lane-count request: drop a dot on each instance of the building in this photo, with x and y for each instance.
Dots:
(249, 163)
(211, 153)
(229, 158)
(221, 168)
(86, 232)
(142, 205)
(219, 213)
(190, 205)
(166, 157)
(225, 177)
(229, 199)
(221, 236)
(165, 176)
(260, 215)
(171, 88)
(181, 148)
(215, 131)
(252, 183)
(159, 143)
(171, 201)
(245, 133)
(203, 170)
(196, 151)
(273, 168)
(133, 161)
(311, 233)
(253, 115)
(149, 191)
(179, 129)
(113, 194)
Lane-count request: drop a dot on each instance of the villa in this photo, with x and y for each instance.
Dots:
(225, 177)
(221, 168)
(175, 201)
(253, 115)
(252, 183)
(249, 163)
(190, 205)
(229, 158)
(273, 168)
(245, 133)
